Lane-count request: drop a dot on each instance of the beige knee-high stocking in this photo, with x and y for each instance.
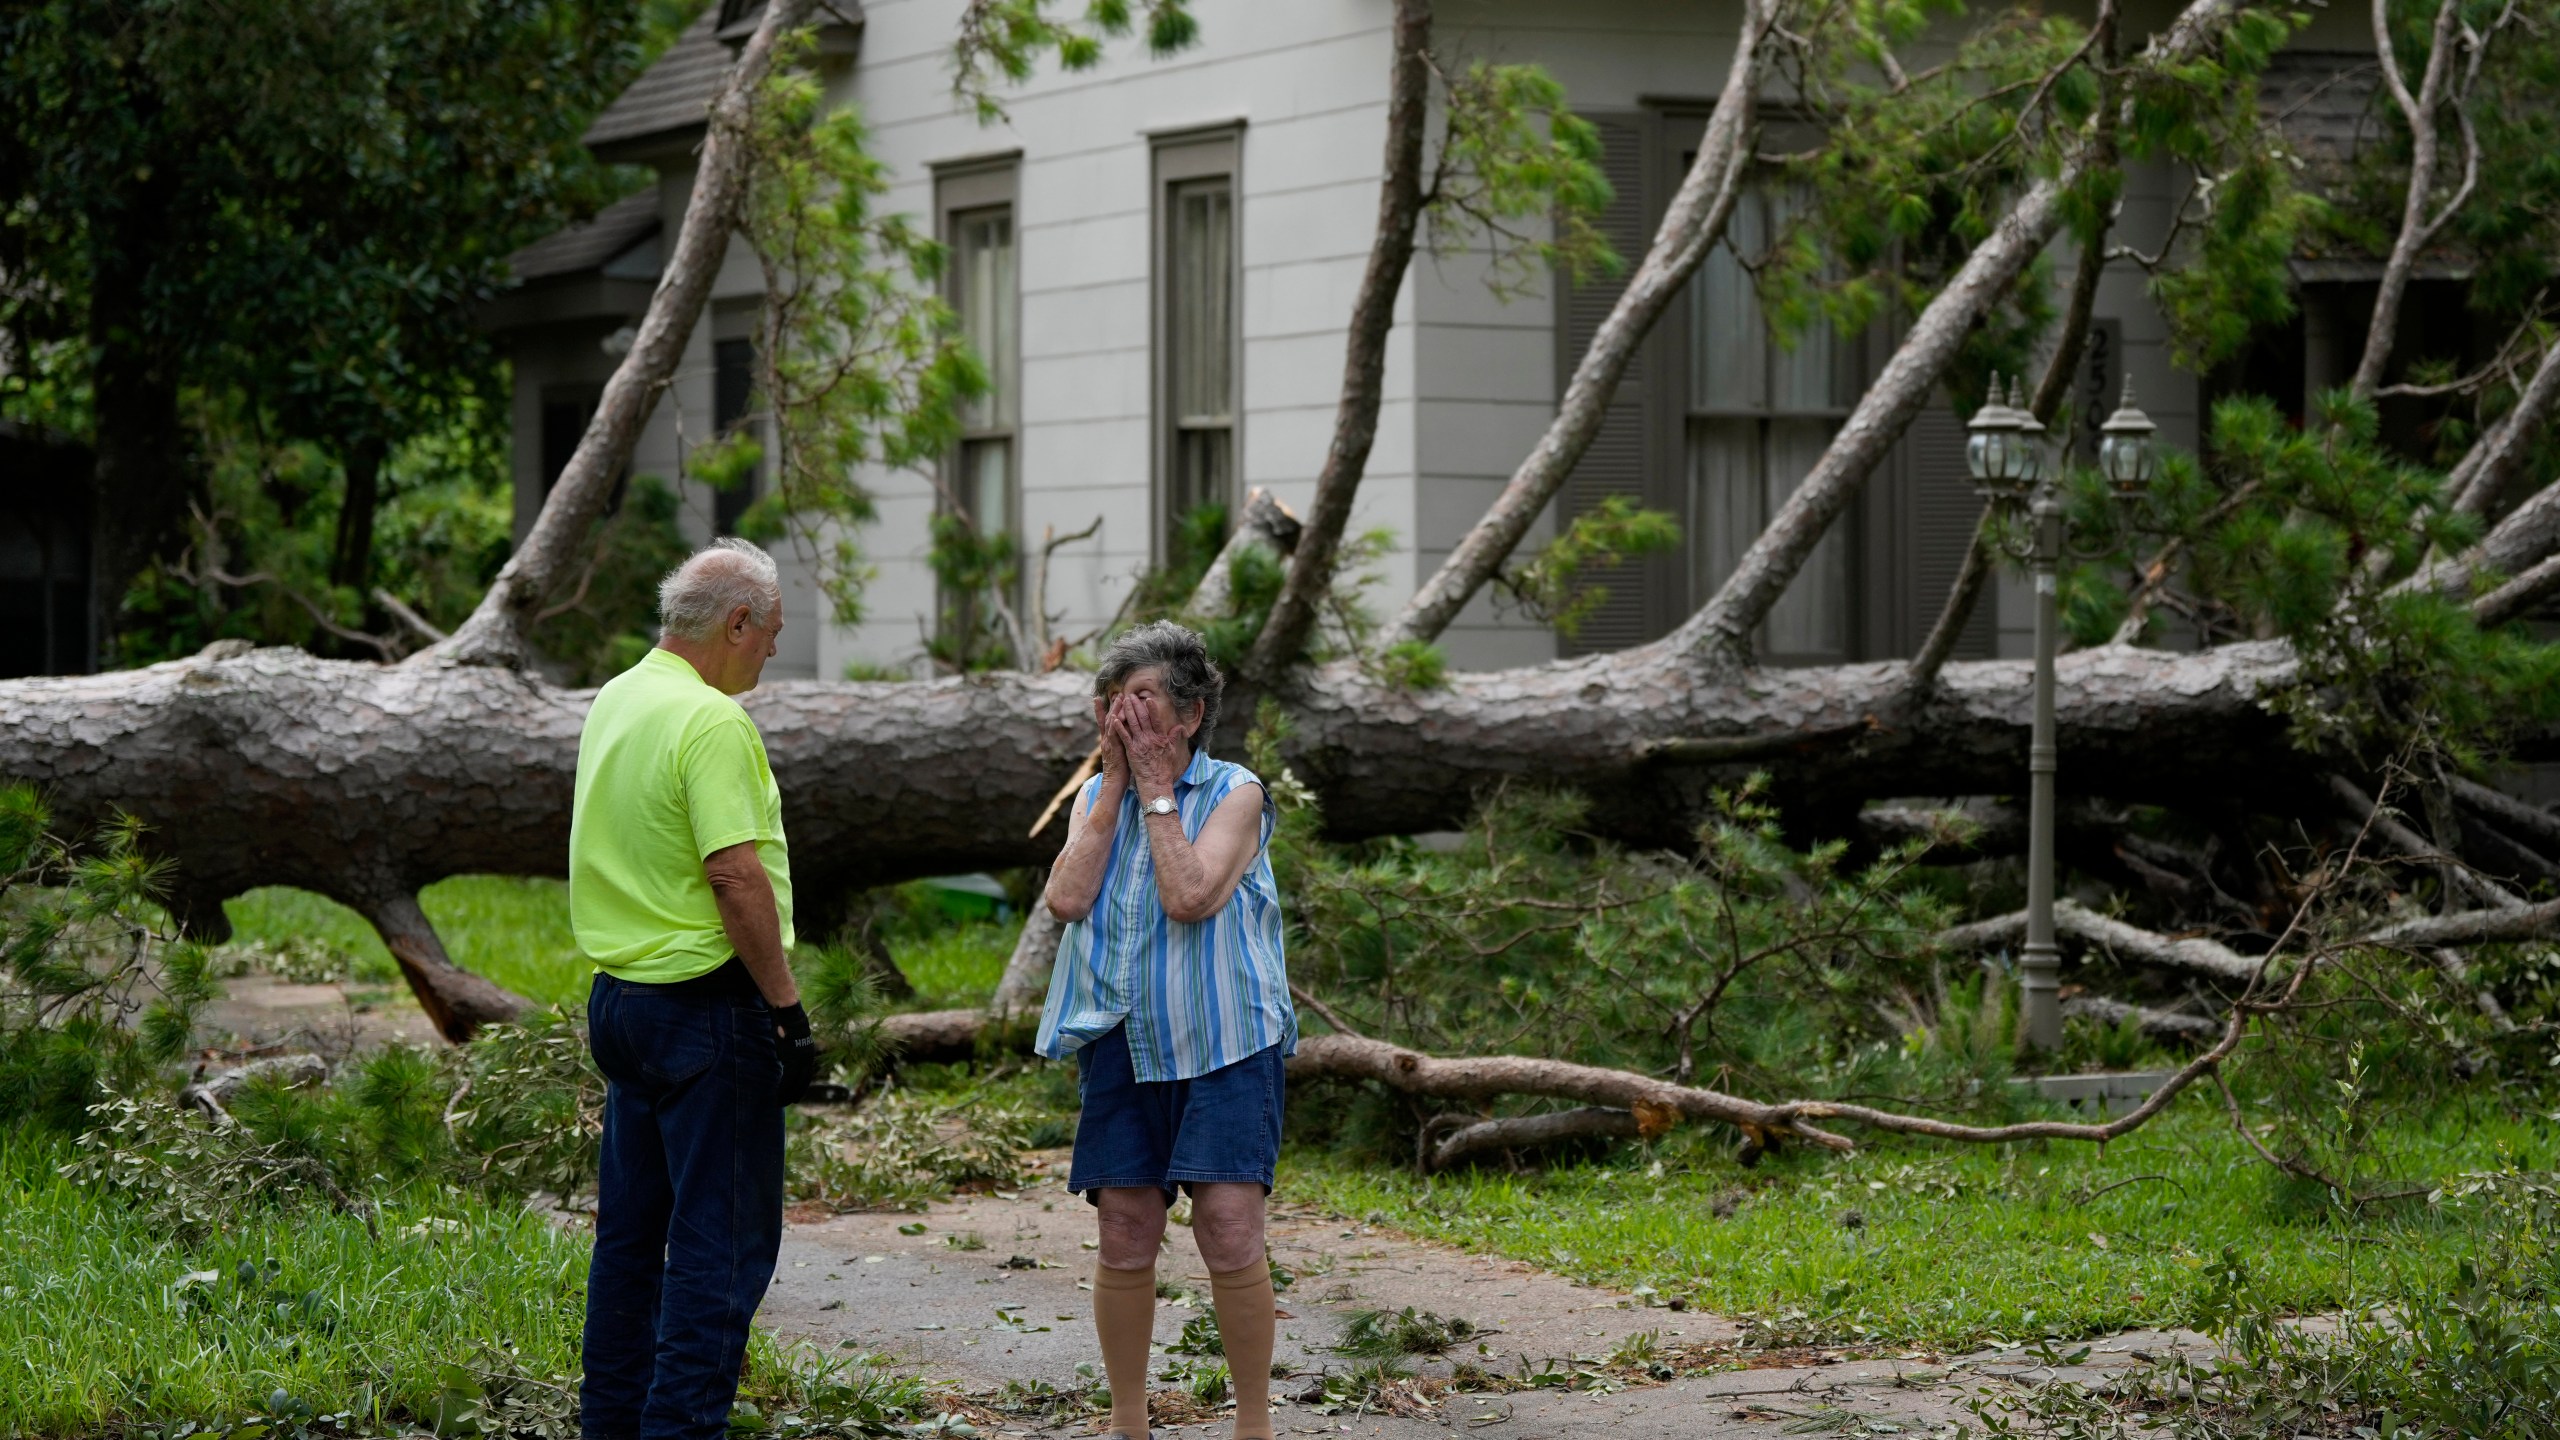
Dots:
(1124, 1317)
(1245, 1321)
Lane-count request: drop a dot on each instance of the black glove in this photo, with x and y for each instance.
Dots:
(799, 1052)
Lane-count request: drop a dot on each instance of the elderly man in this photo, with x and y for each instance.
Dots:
(680, 893)
(1171, 991)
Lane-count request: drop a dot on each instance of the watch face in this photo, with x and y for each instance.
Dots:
(1161, 805)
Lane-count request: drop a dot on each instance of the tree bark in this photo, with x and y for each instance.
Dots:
(2158, 1024)
(2485, 472)
(1691, 227)
(1025, 983)
(2192, 955)
(2540, 826)
(144, 478)
(2519, 595)
(2424, 147)
(277, 767)
(457, 1001)
(351, 561)
(496, 632)
(1364, 367)
(1524, 1132)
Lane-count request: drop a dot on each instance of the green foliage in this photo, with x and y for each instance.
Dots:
(2238, 280)
(900, 1151)
(516, 1112)
(1411, 665)
(859, 360)
(844, 1008)
(1007, 38)
(1163, 591)
(1776, 969)
(608, 618)
(2305, 535)
(1550, 585)
(1517, 167)
(101, 992)
(975, 575)
(320, 265)
(258, 568)
(1391, 1334)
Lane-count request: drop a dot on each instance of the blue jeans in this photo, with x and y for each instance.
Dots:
(688, 1202)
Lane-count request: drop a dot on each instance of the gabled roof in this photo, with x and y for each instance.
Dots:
(668, 101)
(587, 246)
(671, 96)
(2329, 107)
(2323, 103)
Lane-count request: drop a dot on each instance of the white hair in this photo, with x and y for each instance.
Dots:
(695, 599)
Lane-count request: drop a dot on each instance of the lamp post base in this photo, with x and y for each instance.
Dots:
(2040, 998)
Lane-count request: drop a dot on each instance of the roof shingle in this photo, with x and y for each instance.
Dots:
(587, 246)
(671, 95)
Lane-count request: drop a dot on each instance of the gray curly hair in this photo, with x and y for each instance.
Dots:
(1181, 657)
(695, 599)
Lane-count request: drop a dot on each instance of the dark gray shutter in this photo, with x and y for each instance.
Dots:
(1619, 460)
(1938, 514)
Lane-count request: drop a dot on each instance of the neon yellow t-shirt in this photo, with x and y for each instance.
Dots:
(669, 770)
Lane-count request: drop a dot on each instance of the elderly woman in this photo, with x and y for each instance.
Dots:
(1170, 990)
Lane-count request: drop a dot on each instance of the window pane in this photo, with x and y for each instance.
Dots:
(986, 476)
(1808, 374)
(1726, 348)
(983, 294)
(1201, 329)
(1810, 621)
(1724, 497)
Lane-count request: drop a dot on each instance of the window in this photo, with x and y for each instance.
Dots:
(982, 292)
(565, 417)
(1760, 414)
(733, 385)
(1196, 331)
(981, 477)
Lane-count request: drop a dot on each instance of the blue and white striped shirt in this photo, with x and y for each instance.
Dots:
(1195, 997)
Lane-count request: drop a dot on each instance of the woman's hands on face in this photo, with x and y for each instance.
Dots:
(1115, 759)
(1156, 756)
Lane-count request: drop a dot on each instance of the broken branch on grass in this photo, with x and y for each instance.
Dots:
(2129, 942)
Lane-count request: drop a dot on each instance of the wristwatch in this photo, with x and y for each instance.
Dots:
(1161, 805)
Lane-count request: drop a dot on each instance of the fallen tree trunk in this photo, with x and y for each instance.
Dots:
(367, 781)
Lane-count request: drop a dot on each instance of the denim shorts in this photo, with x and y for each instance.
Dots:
(1219, 1127)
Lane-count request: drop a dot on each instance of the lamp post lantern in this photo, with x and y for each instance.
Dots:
(2004, 450)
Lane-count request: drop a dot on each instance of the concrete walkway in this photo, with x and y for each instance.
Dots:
(1017, 1310)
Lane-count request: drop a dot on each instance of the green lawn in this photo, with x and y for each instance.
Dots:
(109, 1321)
(109, 1318)
(509, 928)
(515, 930)
(957, 966)
(1943, 1245)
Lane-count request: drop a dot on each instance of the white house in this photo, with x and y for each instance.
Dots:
(1160, 257)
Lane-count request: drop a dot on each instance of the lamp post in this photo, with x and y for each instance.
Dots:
(2005, 453)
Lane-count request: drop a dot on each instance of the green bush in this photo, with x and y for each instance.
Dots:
(101, 992)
